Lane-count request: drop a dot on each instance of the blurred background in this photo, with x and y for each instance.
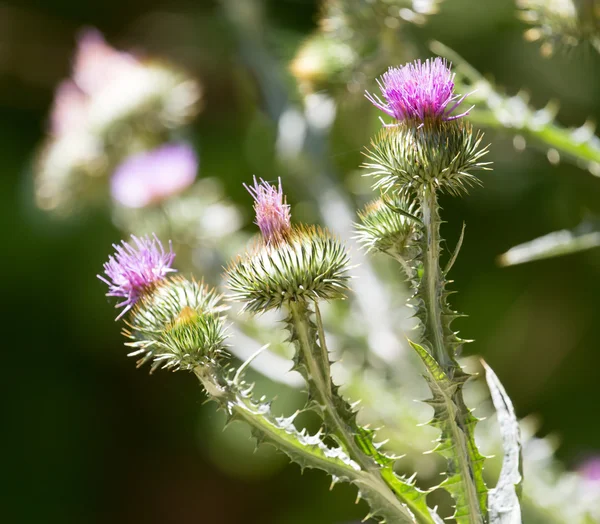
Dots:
(88, 438)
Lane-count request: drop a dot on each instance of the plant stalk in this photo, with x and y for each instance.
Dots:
(431, 291)
(308, 452)
(432, 282)
(338, 416)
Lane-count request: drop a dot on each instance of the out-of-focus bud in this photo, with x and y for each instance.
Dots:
(407, 158)
(152, 176)
(321, 62)
(561, 22)
(124, 90)
(179, 325)
(309, 265)
(384, 227)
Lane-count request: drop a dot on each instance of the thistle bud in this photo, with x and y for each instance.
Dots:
(178, 326)
(556, 22)
(386, 227)
(310, 264)
(322, 61)
(439, 155)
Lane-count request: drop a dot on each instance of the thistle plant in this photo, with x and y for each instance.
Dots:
(177, 323)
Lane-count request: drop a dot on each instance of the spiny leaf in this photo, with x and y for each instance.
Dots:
(555, 244)
(504, 498)
(457, 440)
(308, 451)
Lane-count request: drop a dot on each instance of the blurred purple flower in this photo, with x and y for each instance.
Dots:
(152, 176)
(418, 91)
(133, 269)
(272, 212)
(590, 469)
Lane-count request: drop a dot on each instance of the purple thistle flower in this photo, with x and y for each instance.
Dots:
(152, 176)
(134, 269)
(418, 91)
(272, 211)
(590, 469)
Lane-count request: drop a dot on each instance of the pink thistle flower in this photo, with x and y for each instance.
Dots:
(152, 176)
(590, 469)
(97, 64)
(133, 270)
(69, 110)
(272, 211)
(419, 91)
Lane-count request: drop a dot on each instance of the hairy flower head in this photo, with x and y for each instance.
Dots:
(310, 264)
(272, 211)
(419, 91)
(178, 325)
(152, 176)
(135, 268)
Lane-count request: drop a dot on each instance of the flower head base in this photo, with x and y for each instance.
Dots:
(309, 265)
(406, 159)
(178, 325)
(419, 92)
(135, 269)
(152, 176)
(272, 211)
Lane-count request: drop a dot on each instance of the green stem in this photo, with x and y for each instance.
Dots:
(432, 281)
(458, 417)
(340, 419)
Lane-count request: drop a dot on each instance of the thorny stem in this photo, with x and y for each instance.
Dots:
(309, 452)
(320, 388)
(432, 281)
(432, 293)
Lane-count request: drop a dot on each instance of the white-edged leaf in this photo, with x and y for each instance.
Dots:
(503, 500)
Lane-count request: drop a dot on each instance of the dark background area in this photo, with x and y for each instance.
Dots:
(87, 438)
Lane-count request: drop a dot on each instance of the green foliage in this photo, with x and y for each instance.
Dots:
(561, 22)
(555, 244)
(308, 451)
(312, 361)
(464, 479)
(514, 115)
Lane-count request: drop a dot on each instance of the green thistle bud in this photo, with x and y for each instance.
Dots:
(178, 326)
(561, 22)
(308, 264)
(386, 228)
(321, 62)
(407, 158)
